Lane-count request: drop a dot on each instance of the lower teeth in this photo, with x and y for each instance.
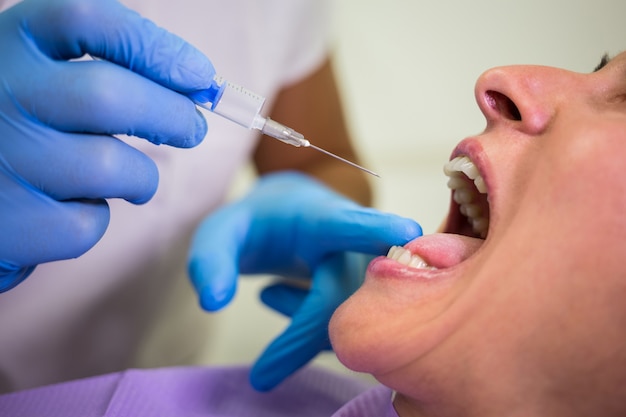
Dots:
(403, 256)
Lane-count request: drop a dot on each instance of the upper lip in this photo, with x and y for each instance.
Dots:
(472, 148)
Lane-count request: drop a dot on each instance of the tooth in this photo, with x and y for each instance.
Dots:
(479, 182)
(455, 183)
(417, 262)
(462, 164)
(480, 224)
(449, 167)
(463, 195)
(472, 210)
(398, 253)
(403, 256)
(470, 170)
(393, 252)
(459, 162)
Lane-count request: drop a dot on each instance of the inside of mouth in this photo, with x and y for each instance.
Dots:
(481, 205)
(469, 211)
(466, 227)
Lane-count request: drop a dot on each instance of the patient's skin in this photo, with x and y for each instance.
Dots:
(533, 321)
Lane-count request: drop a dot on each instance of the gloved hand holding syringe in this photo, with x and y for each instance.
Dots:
(243, 107)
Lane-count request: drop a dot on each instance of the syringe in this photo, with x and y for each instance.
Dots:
(243, 107)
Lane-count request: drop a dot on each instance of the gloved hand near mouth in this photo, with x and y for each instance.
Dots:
(291, 225)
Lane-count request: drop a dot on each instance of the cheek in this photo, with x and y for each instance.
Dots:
(584, 186)
(573, 184)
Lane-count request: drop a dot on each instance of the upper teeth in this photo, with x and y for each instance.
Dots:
(405, 257)
(465, 195)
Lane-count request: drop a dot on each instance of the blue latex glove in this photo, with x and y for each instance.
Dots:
(58, 160)
(292, 226)
(334, 279)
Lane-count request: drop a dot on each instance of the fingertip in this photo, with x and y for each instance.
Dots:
(412, 228)
(211, 300)
(215, 290)
(81, 222)
(148, 183)
(10, 277)
(88, 225)
(260, 385)
(187, 135)
(283, 298)
(196, 135)
(379, 228)
(399, 228)
(268, 381)
(120, 170)
(141, 200)
(200, 130)
(268, 295)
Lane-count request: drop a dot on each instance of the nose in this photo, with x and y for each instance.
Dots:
(521, 97)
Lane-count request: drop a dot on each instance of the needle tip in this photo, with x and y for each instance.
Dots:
(344, 160)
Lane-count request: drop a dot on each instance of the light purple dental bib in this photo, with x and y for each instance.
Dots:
(201, 392)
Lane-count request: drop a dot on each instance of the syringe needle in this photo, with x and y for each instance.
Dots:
(288, 135)
(344, 160)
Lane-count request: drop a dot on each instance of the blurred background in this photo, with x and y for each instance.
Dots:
(407, 70)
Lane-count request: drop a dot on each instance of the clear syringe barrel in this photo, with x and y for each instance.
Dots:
(243, 107)
(233, 102)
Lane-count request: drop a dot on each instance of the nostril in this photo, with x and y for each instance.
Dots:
(504, 105)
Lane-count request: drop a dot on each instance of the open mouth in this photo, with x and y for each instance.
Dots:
(470, 194)
(468, 220)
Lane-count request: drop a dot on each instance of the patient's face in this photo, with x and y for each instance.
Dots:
(536, 312)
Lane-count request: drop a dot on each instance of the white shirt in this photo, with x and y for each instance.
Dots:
(93, 314)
